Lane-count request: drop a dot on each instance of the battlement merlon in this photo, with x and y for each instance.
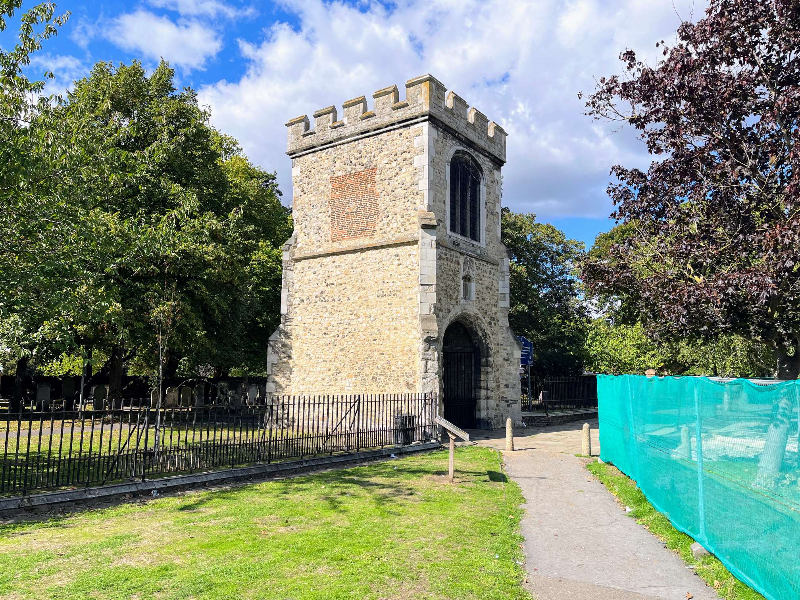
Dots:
(426, 99)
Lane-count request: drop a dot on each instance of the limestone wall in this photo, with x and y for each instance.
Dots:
(350, 320)
(356, 324)
(426, 97)
(357, 193)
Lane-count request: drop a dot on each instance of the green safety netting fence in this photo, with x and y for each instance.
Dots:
(720, 459)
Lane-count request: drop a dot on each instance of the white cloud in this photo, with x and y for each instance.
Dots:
(186, 44)
(65, 68)
(521, 63)
(84, 31)
(206, 8)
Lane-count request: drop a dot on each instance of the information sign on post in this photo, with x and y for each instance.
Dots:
(525, 362)
(453, 432)
(526, 358)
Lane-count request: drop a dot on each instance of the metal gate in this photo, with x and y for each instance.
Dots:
(460, 373)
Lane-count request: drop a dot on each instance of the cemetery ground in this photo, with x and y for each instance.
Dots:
(392, 529)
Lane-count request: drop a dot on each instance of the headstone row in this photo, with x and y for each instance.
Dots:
(47, 393)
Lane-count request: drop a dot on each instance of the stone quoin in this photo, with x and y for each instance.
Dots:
(395, 279)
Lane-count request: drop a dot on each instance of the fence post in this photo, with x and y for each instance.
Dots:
(701, 500)
(685, 449)
(268, 433)
(358, 424)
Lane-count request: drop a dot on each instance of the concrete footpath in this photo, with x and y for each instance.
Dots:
(579, 541)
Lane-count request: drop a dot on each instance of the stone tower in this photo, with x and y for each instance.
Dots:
(395, 279)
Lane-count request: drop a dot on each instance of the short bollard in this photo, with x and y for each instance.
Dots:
(509, 434)
(586, 440)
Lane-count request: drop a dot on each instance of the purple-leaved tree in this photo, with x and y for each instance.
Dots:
(715, 245)
(715, 219)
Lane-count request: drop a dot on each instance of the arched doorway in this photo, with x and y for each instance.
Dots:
(461, 375)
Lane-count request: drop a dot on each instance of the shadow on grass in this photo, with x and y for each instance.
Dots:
(497, 476)
(385, 481)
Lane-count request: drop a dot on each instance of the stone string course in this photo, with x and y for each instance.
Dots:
(372, 276)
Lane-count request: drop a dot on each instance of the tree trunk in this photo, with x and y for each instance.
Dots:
(19, 385)
(171, 367)
(115, 377)
(769, 467)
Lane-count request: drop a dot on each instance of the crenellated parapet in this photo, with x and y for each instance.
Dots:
(426, 99)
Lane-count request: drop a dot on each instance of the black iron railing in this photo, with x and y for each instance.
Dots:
(66, 448)
(559, 393)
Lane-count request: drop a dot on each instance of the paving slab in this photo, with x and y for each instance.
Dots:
(579, 541)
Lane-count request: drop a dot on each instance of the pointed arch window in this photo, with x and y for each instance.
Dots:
(465, 193)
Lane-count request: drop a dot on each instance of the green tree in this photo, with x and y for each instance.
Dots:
(728, 355)
(619, 342)
(28, 169)
(622, 348)
(545, 303)
(616, 348)
(191, 229)
(618, 303)
(168, 252)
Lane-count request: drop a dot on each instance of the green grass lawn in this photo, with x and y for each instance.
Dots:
(709, 568)
(394, 529)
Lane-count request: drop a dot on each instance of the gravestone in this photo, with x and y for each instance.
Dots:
(99, 393)
(43, 395)
(199, 395)
(235, 395)
(222, 393)
(68, 392)
(252, 394)
(171, 397)
(6, 386)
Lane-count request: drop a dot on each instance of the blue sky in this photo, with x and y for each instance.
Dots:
(257, 64)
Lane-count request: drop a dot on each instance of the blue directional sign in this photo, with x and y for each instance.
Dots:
(527, 351)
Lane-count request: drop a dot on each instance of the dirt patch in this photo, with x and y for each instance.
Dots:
(408, 589)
